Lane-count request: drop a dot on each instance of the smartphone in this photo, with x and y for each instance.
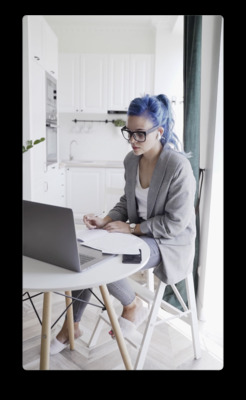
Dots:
(132, 258)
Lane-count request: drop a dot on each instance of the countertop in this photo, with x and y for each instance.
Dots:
(92, 164)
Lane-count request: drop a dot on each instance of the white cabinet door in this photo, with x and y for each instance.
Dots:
(68, 83)
(50, 51)
(82, 83)
(36, 38)
(55, 179)
(43, 44)
(50, 187)
(118, 82)
(141, 75)
(114, 188)
(93, 83)
(129, 76)
(85, 190)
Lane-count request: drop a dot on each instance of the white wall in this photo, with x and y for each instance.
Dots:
(169, 63)
(95, 141)
(79, 39)
(210, 290)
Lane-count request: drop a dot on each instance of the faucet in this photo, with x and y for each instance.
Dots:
(70, 149)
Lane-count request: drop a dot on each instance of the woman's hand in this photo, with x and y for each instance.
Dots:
(94, 222)
(117, 226)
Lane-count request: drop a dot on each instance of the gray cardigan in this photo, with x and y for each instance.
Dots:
(170, 211)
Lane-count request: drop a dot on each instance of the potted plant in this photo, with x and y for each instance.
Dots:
(119, 122)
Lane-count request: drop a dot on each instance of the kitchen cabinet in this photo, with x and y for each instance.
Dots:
(68, 83)
(141, 75)
(35, 38)
(49, 188)
(95, 83)
(82, 85)
(54, 186)
(43, 44)
(93, 190)
(118, 82)
(85, 190)
(114, 187)
(50, 51)
(129, 76)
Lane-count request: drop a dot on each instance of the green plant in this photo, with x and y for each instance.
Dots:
(30, 144)
(119, 122)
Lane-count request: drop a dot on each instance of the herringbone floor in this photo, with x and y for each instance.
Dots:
(170, 348)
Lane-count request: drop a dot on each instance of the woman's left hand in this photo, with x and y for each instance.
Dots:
(117, 226)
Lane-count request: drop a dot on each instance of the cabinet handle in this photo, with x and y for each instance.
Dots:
(52, 72)
(37, 58)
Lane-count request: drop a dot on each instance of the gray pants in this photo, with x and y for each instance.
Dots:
(122, 289)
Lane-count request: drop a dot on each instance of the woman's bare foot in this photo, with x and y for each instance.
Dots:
(63, 335)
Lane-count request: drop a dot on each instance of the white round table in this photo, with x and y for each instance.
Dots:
(40, 276)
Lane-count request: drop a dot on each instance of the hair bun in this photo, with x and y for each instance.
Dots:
(163, 99)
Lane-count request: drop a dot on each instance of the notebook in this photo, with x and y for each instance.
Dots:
(49, 235)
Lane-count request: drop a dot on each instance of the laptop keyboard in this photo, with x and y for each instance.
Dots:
(84, 258)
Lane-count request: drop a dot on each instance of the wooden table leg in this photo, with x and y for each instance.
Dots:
(45, 334)
(70, 321)
(116, 327)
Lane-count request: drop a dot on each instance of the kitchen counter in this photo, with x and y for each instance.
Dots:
(92, 164)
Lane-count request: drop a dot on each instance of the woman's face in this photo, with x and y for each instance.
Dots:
(152, 141)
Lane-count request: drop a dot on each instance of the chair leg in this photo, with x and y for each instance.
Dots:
(194, 322)
(150, 326)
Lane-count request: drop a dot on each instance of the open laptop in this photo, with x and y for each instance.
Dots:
(49, 235)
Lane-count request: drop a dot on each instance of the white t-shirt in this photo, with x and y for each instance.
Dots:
(141, 196)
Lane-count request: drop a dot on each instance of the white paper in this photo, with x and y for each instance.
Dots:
(110, 243)
(90, 234)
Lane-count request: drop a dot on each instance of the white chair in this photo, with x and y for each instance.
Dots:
(155, 300)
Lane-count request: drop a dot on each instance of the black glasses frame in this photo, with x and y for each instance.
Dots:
(131, 133)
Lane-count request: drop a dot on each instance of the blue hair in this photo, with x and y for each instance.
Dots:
(158, 109)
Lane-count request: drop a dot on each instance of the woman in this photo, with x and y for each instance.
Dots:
(158, 206)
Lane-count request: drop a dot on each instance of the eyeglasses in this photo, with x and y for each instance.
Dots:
(139, 136)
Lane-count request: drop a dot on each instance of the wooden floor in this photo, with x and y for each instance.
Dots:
(170, 348)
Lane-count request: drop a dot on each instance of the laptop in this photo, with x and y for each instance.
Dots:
(49, 235)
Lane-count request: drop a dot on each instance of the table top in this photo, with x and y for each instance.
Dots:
(41, 276)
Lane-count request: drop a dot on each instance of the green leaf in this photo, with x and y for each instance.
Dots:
(30, 144)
